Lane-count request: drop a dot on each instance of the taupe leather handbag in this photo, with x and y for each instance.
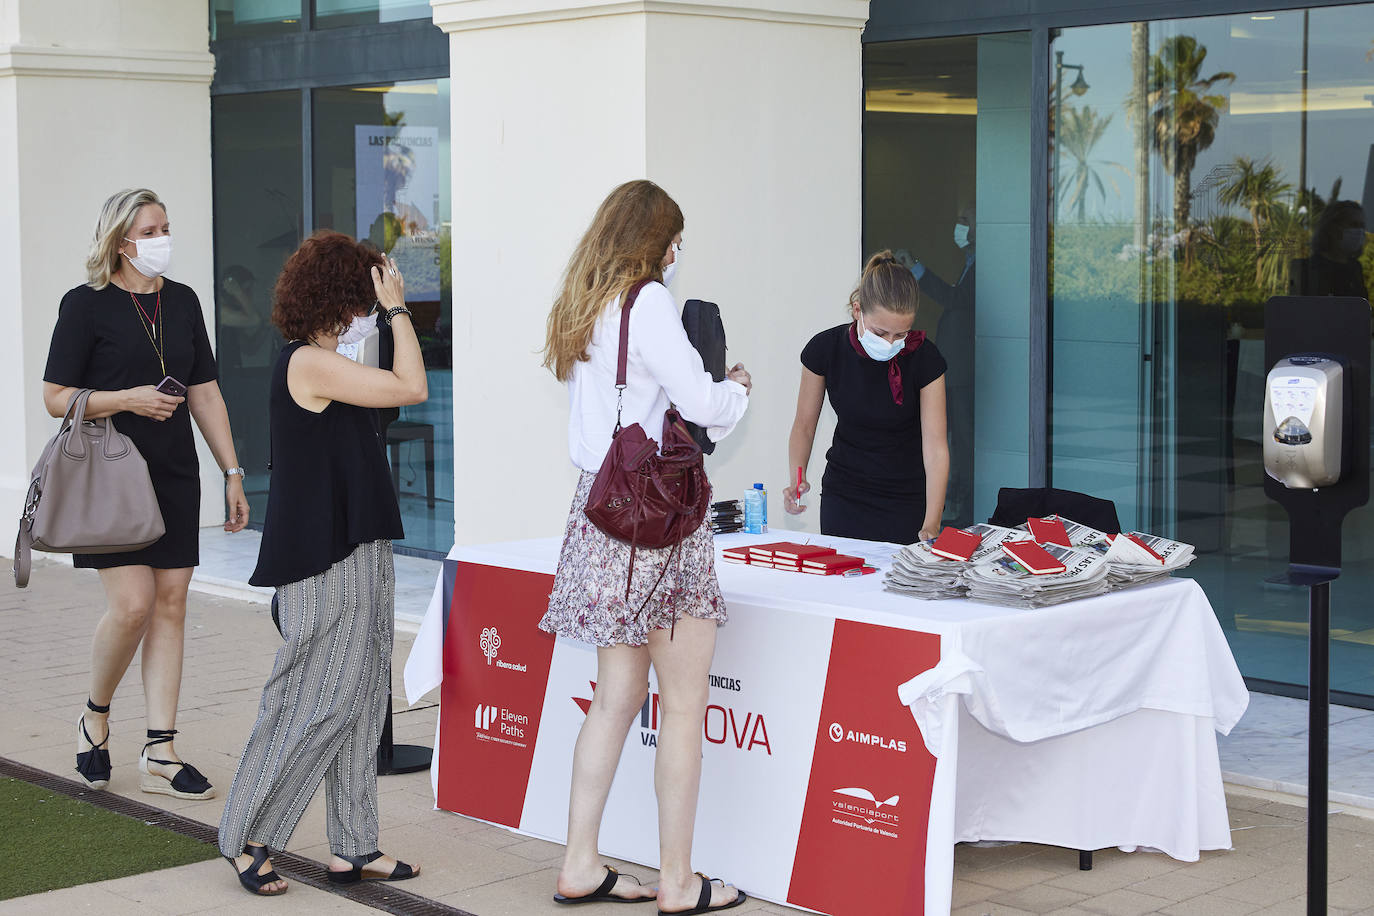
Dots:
(90, 493)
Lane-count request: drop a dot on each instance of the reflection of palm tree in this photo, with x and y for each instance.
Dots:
(1185, 117)
(1256, 188)
(1080, 131)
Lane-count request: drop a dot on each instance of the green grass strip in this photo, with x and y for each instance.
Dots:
(50, 841)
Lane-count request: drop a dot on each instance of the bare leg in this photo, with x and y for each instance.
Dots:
(163, 651)
(622, 679)
(129, 596)
(682, 661)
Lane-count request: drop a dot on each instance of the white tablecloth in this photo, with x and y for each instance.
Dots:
(1113, 701)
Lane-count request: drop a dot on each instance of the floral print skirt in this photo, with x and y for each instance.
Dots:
(589, 600)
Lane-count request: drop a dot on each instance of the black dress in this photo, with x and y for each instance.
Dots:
(101, 341)
(874, 486)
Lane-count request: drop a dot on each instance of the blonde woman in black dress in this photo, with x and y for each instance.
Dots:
(121, 333)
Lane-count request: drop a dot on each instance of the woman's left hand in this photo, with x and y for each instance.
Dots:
(238, 503)
(928, 533)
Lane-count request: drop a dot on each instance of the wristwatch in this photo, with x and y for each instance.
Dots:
(230, 472)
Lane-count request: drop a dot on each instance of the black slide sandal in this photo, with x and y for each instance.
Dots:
(603, 893)
(704, 900)
(253, 882)
(401, 872)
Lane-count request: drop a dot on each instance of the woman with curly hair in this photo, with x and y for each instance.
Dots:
(326, 549)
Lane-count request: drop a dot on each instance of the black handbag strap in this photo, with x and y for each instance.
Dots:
(623, 356)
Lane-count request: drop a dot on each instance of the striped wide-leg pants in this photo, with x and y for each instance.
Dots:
(322, 710)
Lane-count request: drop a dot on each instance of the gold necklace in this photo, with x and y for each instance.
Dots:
(153, 327)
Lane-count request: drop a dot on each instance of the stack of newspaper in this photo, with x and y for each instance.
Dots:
(921, 573)
(1135, 558)
(1001, 580)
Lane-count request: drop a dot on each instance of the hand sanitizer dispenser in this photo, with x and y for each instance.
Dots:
(1305, 422)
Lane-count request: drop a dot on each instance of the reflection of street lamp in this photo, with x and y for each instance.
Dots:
(1078, 87)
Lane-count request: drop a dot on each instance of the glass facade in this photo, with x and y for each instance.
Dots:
(947, 126)
(1206, 165)
(333, 14)
(368, 160)
(253, 18)
(1193, 169)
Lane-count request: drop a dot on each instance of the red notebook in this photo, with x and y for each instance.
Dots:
(766, 550)
(1037, 560)
(954, 544)
(831, 564)
(1139, 542)
(736, 554)
(799, 552)
(1049, 531)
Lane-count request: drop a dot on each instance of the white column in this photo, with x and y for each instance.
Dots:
(750, 118)
(95, 95)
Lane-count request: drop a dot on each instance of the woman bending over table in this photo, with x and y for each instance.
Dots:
(121, 333)
(326, 548)
(671, 624)
(888, 465)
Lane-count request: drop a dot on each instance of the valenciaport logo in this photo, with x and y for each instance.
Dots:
(862, 809)
(500, 725)
(839, 733)
(745, 730)
(490, 644)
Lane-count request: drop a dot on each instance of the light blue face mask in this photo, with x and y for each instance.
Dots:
(961, 235)
(876, 347)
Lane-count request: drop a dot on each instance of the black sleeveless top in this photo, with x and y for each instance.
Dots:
(331, 485)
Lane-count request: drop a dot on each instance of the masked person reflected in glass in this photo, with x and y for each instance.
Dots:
(888, 466)
(1333, 268)
(955, 335)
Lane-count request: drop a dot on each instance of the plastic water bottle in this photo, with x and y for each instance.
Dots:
(756, 510)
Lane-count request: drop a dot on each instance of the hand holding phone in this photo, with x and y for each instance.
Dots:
(172, 387)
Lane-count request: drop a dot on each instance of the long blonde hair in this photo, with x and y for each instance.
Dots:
(625, 243)
(886, 284)
(116, 218)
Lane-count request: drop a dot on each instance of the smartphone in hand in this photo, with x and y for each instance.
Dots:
(171, 386)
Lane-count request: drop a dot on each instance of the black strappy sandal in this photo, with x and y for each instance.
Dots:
(253, 882)
(93, 764)
(401, 872)
(704, 900)
(187, 783)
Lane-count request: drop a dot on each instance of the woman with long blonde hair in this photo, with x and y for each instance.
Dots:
(654, 612)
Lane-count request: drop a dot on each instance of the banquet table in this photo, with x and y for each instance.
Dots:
(851, 732)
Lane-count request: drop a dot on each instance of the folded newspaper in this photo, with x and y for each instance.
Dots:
(1001, 580)
(1097, 563)
(921, 573)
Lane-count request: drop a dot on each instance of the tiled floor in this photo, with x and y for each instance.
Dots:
(491, 872)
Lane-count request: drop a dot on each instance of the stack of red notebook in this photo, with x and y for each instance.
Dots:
(808, 558)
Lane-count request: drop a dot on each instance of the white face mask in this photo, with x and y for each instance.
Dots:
(961, 235)
(359, 329)
(154, 255)
(671, 270)
(876, 347)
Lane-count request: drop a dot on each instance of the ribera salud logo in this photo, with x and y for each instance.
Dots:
(490, 643)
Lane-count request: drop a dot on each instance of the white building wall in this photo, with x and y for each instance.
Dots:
(95, 95)
(750, 118)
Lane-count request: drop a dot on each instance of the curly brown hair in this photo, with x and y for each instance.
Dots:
(324, 285)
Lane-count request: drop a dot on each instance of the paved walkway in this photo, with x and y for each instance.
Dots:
(489, 871)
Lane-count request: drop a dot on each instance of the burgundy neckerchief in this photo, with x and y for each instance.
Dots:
(894, 372)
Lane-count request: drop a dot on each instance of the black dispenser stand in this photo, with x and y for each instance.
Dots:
(1339, 327)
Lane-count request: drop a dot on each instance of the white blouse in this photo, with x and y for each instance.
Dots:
(662, 367)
